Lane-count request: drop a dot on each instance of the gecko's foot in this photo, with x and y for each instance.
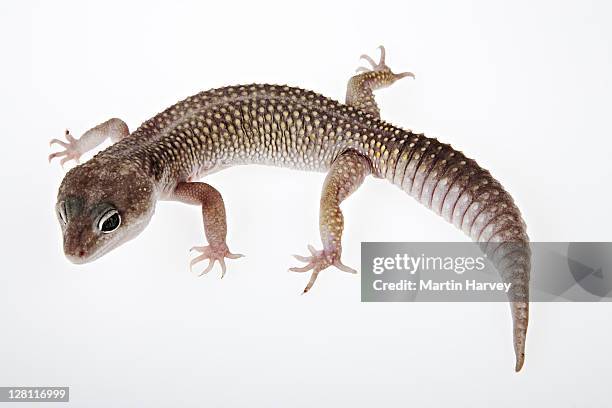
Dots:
(213, 254)
(381, 65)
(318, 261)
(70, 152)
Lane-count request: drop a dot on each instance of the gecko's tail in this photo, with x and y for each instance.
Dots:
(520, 313)
(463, 193)
(513, 261)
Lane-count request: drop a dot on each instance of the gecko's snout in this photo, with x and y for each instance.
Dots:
(74, 250)
(77, 259)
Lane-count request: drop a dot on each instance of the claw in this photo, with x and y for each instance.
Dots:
(69, 136)
(223, 268)
(311, 282)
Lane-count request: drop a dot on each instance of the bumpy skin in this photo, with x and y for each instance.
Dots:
(288, 127)
(215, 225)
(360, 89)
(346, 174)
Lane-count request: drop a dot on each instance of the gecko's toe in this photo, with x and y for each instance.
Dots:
(344, 268)
(370, 60)
(59, 142)
(213, 254)
(381, 62)
(382, 66)
(70, 152)
(318, 261)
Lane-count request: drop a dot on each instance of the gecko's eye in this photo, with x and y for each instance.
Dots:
(109, 221)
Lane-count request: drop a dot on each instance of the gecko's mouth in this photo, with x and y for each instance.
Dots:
(78, 255)
(81, 257)
(78, 259)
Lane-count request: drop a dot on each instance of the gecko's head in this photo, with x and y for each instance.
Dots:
(101, 205)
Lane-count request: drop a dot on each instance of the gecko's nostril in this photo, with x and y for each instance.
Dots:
(81, 253)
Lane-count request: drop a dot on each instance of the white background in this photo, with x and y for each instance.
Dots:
(523, 87)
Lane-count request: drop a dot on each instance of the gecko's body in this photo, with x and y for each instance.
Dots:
(110, 198)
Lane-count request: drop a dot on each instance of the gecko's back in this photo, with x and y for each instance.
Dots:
(251, 124)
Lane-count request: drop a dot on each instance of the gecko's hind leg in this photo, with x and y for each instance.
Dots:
(215, 224)
(346, 174)
(359, 91)
(115, 129)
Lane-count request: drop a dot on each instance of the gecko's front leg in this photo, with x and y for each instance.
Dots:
(346, 174)
(215, 224)
(114, 129)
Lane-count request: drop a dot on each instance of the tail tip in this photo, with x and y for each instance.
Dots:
(520, 360)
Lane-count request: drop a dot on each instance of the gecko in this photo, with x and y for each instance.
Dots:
(111, 198)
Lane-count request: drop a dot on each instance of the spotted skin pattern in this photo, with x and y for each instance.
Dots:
(288, 127)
